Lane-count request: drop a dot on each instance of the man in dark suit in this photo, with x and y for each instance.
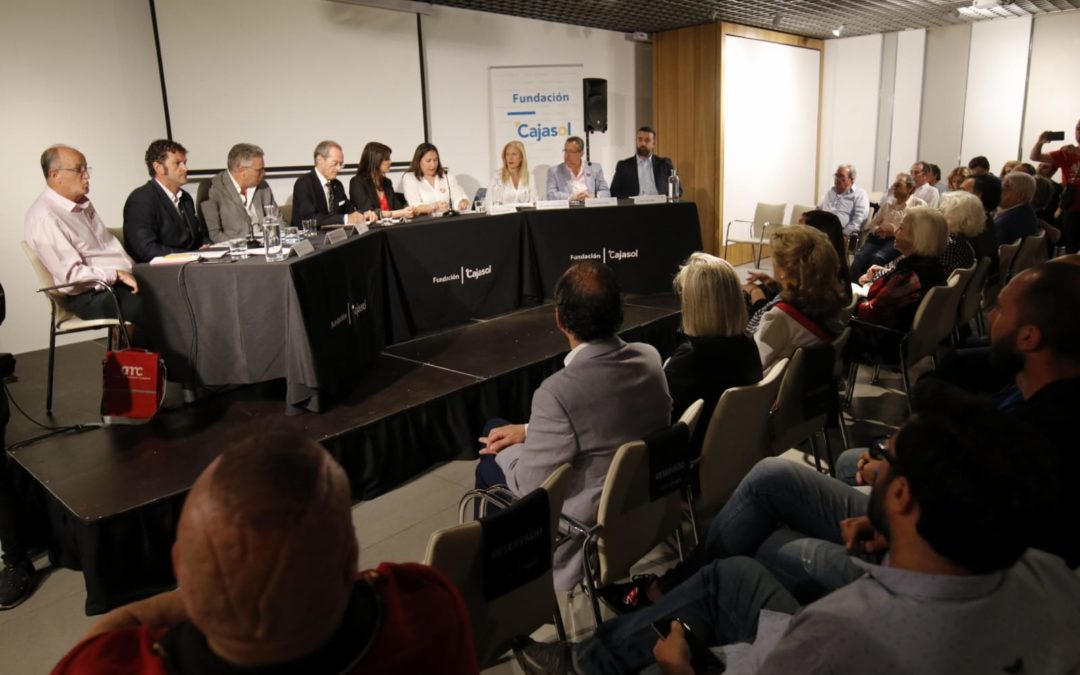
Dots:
(644, 173)
(159, 217)
(1016, 219)
(320, 195)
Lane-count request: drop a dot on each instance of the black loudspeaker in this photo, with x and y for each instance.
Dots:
(595, 96)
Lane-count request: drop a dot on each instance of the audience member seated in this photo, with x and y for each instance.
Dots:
(934, 178)
(957, 177)
(159, 217)
(608, 393)
(238, 195)
(1008, 167)
(69, 238)
(959, 567)
(574, 179)
(897, 289)
(805, 312)
(760, 289)
(1044, 211)
(427, 187)
(920, 173)
(1016, 219)
(265, 558)
(978, 165)
(988, 189)
(714, 353)
(847, 201)
(966, 220)
(880, 247)
(1050, 212)
(371, 190)
(320, 195)
(512, 184)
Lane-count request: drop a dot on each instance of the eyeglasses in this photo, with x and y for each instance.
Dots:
(79, 170)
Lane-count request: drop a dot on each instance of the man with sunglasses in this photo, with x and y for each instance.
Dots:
(952, 501)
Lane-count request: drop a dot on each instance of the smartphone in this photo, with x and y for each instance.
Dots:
(1057, 135)
(701, 659)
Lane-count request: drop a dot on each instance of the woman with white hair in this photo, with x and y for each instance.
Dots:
(714, 354)
(964, 216)
(897, 290)
(879, 247)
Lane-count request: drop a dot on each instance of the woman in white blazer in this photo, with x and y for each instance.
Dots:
(426, 186)
(512, 184)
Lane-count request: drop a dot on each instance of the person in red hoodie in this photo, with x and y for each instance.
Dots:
(266, 559)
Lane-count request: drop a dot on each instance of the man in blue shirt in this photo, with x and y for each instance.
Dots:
(849, 202)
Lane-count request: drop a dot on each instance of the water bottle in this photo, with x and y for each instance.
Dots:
(673, 186)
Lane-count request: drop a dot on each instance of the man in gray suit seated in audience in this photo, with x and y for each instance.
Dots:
(608, 393)
(575, 179)
(237, 195)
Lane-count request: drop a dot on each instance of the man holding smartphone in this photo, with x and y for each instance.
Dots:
(1067, 159)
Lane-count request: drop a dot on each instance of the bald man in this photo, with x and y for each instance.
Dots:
(265, 557)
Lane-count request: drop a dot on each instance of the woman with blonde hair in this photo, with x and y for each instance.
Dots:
(957, 177)
(714, 353)
(511, 184)
(805, 312)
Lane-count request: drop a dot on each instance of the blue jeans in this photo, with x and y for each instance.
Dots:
(847, 465)
(874, 251)
(720, 603)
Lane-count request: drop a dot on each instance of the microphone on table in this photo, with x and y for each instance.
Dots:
(449, 194)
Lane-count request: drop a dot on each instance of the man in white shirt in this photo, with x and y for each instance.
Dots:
(71, 241)
(847, 201)
(923, 189)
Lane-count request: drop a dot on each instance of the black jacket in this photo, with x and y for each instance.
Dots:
(365, 198)
(625, 182)
(153, 227)
(309, 201)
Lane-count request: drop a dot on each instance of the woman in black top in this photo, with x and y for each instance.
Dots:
(371, 190)
(715, 354)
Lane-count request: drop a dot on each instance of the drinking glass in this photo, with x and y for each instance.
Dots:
(311, 227)
(238, 248)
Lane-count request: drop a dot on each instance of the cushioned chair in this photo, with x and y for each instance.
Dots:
(62, 321)
(498, 615)
(755, 232)
(736, 438)
(970, 302)
(797, 210)
(640, 506)
(1032, 252)
(806, 401)
(934, 322)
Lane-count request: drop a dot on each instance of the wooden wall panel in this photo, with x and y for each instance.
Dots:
(688, 111)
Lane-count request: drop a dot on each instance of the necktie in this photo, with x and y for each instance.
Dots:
(329, 197)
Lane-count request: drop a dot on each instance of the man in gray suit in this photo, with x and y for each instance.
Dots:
(237, 195)
(608, 393)
(574, 179)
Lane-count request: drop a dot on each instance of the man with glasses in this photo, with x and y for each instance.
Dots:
(159, 217)
(320, 195)
(71, 241)
(952, 502)
(574, 179)
(847, 201)
(238, 195)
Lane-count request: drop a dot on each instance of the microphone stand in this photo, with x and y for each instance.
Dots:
(449, 194)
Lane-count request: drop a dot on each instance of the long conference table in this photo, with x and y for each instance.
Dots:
(319, 321)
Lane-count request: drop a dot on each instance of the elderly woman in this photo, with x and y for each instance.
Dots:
(714, 354)
(964, 215)
(512, 184)
(897, 290)
(879, 247)
(805, 311)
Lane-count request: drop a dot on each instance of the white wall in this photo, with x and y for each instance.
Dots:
(943, 96)
(460, 46)
(770, 112)
(96, 89)
(996, 81)
(1053, 99)
(907, 101)
(849, 108)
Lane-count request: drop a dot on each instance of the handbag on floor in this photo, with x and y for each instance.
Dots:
(134, 385)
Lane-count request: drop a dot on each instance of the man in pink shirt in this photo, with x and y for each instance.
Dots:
(72, 242)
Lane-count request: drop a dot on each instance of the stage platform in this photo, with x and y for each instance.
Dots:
(108, 498)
